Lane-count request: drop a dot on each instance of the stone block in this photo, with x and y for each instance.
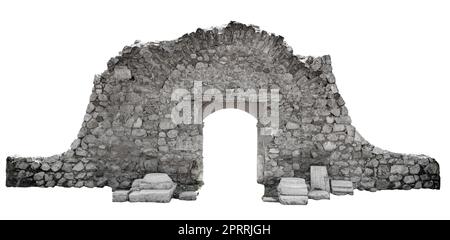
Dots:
(319, 178)
(154, 195)
(153, 181)
(341, 187)
(120, 196)
(293, 200)
(318, 195)
(188, 196)
(292, 187)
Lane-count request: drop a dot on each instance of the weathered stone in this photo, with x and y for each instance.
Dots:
(153, 181)
(414, 169)
(75, 144)
(292, 126)
(90, 167)
(432, 168)
(120, 196)
(399, 169)
(329, 146)
(78, 167)
(188, 196)
(409, 179)
(39, 176)
(340, 187)
(57, 166)
(155, 195)
(292, 187)
(139, 132)
(45, 167)
(318, 195)
(293, 200)
(122, 73)
(172, 134)
(319, 176)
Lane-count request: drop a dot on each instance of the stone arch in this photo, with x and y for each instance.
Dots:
(127, 130)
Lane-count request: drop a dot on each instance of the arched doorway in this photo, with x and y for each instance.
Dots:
(230, 156)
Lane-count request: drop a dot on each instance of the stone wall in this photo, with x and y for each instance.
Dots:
(127, 131)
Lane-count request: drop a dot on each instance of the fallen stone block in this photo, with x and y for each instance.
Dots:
(341, 187)
(292, 187)
(319, 177)
(188, 196)
(154, 195)
(293, 200)
(120, 196)
(319, 195)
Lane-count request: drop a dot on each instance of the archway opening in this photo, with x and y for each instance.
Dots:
(230, 157)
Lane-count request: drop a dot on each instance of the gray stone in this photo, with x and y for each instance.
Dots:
(155, 195)
(292, 126)
(78, 167)
(153, 181)
(292, 187)
(329, 146)
(138, 123)
(188, 196)
(409, 179)
(172, 134)
(75, 144)
(318, 195)
(399, 169)
(57, 166)
(293, 200)
(319, 176)
(269, 199)
(39, 176)
(139, 132)
(122, 73)
(45, 167)
(120, 196)
(341, 187)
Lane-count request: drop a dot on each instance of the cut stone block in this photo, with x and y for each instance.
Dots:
(153, 181)
(155, 195)
(120, 196)
(319, 195)
(292, 187)
(341, 187)
(269, 199)
(319, 176)
(188, 196)
(293, 200)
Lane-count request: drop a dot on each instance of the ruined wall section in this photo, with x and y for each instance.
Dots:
(127, 130)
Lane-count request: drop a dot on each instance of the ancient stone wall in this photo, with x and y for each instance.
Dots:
(127, 130)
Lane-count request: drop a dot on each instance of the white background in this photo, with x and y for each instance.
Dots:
(390, 59)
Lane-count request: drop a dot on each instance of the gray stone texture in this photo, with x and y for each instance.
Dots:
(340, 187)
(127, 133)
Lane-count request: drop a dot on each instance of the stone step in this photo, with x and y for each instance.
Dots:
(341, 187)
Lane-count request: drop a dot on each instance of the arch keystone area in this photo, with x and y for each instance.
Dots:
(129, 130)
